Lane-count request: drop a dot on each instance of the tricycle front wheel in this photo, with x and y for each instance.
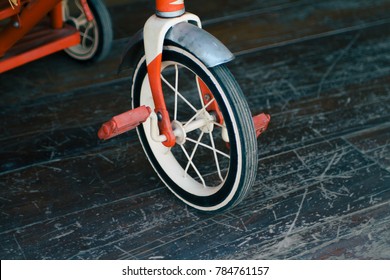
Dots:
(214, 161)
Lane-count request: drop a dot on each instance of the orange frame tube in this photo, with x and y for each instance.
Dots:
(164, 122)
(32, 14)
(10, 11)
(169, 8)
(57, 21)
(87, 10)
(164, 9)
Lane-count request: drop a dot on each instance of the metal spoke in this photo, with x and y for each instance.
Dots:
(215, 156)
(193, 152)
(193, 165)
(219, 125)
(176, 90)
(78, 5)
(86, 36)
(208, 147)
(178, 93)
(81, 20)
(66, 10)
(199, 112)
(199, 90)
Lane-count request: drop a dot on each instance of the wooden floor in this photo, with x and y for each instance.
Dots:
(320, 68)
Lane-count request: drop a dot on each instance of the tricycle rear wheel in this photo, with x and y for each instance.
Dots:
(96, 35)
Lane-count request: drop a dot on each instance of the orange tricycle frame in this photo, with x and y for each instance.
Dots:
(19, 44)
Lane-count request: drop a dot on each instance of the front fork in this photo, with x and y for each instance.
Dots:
(155, 30)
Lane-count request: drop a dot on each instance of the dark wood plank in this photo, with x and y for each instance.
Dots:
(273, 197)
(50, 80)
(375, 143)
(360, 235)
(160, 226)
(129, 16)
(58, 188)
(316, 19)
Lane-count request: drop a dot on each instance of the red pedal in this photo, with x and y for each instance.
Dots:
(261, 123)
(124, 122)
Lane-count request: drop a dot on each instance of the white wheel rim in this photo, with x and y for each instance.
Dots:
(89, 33)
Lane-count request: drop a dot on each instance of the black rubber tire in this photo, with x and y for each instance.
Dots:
(242, 164)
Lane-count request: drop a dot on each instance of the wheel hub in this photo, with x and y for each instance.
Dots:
(204, 121)
(179, 132)
(209, 119)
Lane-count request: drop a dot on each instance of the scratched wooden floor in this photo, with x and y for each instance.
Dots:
(320, 68)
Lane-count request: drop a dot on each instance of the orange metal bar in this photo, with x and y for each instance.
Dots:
(67, 40)
(31, 15)
(87, 10)
(57, 21)
(8, 11)
(169, 6)
(164, 8)
(164, 123)
(207, 96)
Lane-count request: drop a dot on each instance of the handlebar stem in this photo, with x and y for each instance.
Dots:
(170, 8)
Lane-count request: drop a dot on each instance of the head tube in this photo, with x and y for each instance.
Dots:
(170, 8)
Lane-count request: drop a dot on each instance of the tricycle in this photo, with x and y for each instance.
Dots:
(192, 118)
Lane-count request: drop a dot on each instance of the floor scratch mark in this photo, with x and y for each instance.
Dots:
(226, 225)
(20, 248)
(283, 242)
(322, 176)
(325, 76)
(106, 158)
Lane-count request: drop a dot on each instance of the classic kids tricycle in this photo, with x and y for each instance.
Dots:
(192, 119)
(80, 27)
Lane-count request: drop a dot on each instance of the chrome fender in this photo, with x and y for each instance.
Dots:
(191, 38)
